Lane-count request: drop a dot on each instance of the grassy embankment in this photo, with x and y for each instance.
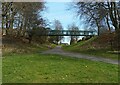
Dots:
(24, 64)
(18, 46)
(94, 46)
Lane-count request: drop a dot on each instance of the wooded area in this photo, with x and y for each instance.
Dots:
(19, 18)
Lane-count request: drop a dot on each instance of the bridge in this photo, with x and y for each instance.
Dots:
(66, 33)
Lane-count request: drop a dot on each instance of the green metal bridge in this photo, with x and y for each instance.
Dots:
(67, 33)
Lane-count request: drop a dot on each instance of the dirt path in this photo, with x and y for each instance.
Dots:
(59, 51)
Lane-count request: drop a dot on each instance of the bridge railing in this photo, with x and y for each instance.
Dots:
(70, 33)
(64, 33)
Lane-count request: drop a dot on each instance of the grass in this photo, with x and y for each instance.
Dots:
(15, 45)
(23, 63)
(23, 48)
(0, 70)
(38, 68)
(93, 52)
(85, 47)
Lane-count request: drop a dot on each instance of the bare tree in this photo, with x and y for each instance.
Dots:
(95, 12)
(73, 28)
(58, 27)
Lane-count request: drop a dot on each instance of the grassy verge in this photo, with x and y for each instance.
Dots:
(86, 47)
(38, 68)
(95, 52)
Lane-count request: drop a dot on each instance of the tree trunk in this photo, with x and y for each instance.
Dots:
(6, 22)
(2, 24)
(112, 13)
(25, 25)
(107, 21)
(98, 27)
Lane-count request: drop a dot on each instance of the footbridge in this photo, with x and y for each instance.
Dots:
(67, 33)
